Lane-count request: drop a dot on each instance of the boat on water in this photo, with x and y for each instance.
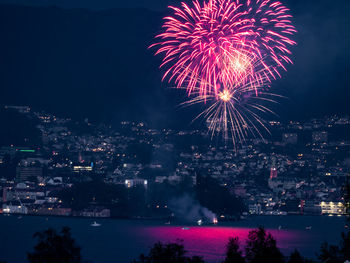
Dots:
(95, 224)
(185, 228)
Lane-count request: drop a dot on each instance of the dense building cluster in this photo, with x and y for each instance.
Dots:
(301, 168)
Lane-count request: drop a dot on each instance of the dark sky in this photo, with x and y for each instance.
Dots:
(96, 4)
(94, 62)
(156, 5)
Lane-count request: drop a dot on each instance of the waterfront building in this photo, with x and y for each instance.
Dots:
(332, 208)
(14, 207)
(133, 182)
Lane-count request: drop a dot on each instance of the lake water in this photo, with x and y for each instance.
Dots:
(122, 240)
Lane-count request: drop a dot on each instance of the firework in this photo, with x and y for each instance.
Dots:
(235, 113)
(220, 41)
(226, 53)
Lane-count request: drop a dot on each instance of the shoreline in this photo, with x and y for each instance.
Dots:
(166, 219)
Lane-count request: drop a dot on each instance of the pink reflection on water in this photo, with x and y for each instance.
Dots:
(210, 241)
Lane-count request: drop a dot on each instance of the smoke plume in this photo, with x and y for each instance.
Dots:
(187, 209)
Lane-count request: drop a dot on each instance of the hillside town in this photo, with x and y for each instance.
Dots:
(301, 168)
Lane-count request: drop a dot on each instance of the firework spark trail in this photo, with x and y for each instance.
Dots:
(220, 40)
(235, 112)
(234, 115)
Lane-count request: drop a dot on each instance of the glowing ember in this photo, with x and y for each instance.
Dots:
(225, 95)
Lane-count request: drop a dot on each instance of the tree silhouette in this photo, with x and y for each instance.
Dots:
(168, 253)
(295, 257)
(261, 248)
(233, 254)
(55, 247)
(345, 246)
(336, 254)
(329, 253)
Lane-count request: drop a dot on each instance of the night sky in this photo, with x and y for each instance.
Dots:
(156, 5)
(90, 59)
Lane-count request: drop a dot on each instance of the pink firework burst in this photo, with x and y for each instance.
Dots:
(220, 42)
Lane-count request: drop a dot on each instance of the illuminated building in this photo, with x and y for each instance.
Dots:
(332, 208)
(14, 207)
(133, 182)
(273, 171)
(82, 168)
